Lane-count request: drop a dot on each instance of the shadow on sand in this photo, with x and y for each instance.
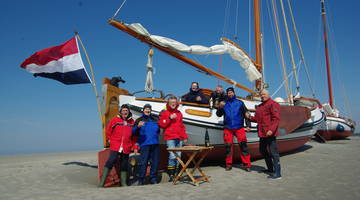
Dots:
(81, 164)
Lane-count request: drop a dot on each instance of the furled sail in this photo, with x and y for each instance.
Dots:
(225, 48)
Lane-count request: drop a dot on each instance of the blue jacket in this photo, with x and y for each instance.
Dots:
(149, 133)
(234, 113)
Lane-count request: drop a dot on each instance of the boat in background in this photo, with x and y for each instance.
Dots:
(334, 126)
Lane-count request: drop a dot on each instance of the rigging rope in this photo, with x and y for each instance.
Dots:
(281, 52)
(118, 9)
(300, 49)
(290, 46)
(236, 20)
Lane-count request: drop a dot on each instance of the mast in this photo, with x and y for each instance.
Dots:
(323, 16)
(258, 47)
(147, 40)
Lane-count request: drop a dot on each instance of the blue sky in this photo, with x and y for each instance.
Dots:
(40, 115)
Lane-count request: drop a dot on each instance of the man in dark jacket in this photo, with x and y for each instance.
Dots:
(195, 95)
(217, 96)
(267, 116)
(234, 116)
(147, 129)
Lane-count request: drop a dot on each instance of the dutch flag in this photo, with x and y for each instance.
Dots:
(62, 63)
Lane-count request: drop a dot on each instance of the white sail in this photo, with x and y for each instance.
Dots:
(225, 48)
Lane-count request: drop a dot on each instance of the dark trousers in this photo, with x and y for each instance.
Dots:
(114, 156)
(149, 153)
(272, 158)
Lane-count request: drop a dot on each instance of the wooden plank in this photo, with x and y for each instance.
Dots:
(198, 112)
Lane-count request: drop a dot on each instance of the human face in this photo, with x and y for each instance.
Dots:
(230, 94)
(219, 90)
(173, 103)
(264, 95)
(194, 87)
(147, 111)
(124, 113)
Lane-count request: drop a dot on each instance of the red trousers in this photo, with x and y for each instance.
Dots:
(241, 138)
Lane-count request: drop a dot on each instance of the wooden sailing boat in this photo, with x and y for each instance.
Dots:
(298, 123)
(334, 126)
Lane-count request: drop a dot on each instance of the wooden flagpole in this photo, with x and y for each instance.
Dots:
(93, 83)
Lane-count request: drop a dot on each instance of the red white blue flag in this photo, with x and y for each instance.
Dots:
(62, 63)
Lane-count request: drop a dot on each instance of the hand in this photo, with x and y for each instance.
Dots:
(269, 132)
(198, 98)
(185, 141)
(173, 116)
(222, 104)
(247, 129)
(141, 123)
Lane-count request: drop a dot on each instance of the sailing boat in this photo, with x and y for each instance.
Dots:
(298, 123)
(334, 126)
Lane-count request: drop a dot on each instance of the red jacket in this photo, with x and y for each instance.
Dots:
(267, 116)
(173, 128)
(119, 133)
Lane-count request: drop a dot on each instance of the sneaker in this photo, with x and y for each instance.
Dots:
(275, 177)
(228, 168)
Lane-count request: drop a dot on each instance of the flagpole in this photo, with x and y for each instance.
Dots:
(93, 83)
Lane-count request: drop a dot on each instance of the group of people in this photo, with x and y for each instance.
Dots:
(126, 135)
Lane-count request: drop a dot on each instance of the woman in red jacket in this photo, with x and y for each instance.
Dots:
(118, 132)
(171, 120)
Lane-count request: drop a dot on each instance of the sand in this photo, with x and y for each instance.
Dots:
(315, 171)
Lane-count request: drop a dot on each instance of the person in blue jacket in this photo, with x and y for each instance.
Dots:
(234, 111)
(147, 129)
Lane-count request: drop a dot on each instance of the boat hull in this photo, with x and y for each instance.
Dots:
(197, 126)
(334, 128)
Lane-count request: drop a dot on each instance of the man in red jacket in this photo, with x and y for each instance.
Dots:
(267, 116)
(119, 134)
(171, 120)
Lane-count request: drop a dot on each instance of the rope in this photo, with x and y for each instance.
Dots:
(290, 46)
(236, 19)
(281, 52)
(227, 8)
(149, 84)
(300, 49)
(282, 84)
(118, 9)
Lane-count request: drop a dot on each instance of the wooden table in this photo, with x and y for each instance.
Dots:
(196, 155)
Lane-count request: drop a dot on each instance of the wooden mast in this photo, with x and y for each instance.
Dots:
(147, 40)
(258, 58)
(323, 16)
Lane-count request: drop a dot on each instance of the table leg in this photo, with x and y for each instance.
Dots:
(184, 167)
(197, 166)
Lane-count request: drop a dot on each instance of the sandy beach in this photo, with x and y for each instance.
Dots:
(315, 171)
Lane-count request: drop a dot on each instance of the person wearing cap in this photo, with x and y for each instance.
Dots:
(234, 111)
(147, 130)
(195, 95)
(267, 117)
(217, 96)
(171, 120)
(118, 132)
